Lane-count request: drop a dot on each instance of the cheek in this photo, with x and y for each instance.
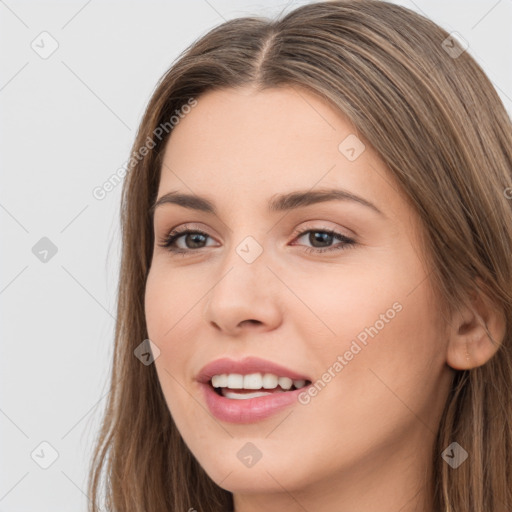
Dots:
(168, 324)
(169, 313)
(350, 301)
(378, 317)
(169, 302)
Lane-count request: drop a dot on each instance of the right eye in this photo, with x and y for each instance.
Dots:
(193, 240)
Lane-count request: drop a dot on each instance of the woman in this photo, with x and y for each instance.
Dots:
(317, 231)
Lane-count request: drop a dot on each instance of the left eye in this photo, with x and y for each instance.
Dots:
(319, 238)
(325, 236)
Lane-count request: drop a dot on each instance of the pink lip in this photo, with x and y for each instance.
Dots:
(252, 409)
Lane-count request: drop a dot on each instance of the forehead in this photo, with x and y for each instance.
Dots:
(246, 145)
(269, 123)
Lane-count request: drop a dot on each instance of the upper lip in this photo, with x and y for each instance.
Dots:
(244, 367)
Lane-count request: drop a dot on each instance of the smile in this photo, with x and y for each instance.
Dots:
(250, 389)
(243, 387)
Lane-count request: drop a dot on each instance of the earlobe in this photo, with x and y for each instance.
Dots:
(476, 333)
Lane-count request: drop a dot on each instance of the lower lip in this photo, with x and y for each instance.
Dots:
(250, 409)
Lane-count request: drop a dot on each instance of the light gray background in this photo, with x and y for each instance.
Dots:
(67, 124)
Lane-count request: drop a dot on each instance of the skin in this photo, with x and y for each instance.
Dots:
(365, 441)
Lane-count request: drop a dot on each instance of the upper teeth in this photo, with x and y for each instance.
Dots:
(254, 381)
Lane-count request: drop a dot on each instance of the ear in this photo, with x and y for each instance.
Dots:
(475, 334)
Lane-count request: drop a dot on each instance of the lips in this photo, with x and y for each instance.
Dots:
(247, 405)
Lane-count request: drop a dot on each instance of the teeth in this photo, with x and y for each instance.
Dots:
(245, 396)
(255, 381)
(220, 381)
(235, 381)
(285, 382)
(270, 381)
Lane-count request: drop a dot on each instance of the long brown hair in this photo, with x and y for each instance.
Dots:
(435, 119)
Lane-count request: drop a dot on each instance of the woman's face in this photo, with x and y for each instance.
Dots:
(358, 320)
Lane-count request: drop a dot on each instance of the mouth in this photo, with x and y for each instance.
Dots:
(250, 389)
(236, 386)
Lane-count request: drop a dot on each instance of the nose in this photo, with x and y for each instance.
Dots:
(245, 296)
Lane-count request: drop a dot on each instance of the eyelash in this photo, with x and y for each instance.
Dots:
(167, 241)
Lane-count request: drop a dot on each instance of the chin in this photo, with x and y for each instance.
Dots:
(264, 476)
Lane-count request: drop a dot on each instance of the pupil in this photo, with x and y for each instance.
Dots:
(320, 236)
(195, 237)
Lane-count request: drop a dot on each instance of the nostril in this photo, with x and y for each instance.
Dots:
(253, 322)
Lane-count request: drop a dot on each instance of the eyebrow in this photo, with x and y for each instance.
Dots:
(277, 203)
